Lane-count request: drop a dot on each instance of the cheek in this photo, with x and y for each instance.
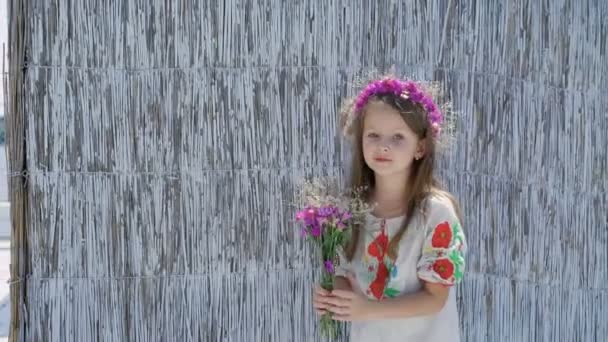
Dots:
(404, 150)
(400, 145)
(367, 148)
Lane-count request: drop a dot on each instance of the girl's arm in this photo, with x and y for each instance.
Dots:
(428, 301)
(440, 265)
(348, 305)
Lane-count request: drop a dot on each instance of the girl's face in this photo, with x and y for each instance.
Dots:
(389, 144)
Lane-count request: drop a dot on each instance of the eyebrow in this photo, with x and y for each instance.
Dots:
(400, 130)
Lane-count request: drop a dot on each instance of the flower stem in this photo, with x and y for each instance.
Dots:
(327, 281)
(329, 327)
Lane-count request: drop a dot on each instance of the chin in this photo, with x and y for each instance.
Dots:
(387, 170)
(383, 170)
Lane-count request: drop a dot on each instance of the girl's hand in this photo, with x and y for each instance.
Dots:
(320, 299)
(349, 306)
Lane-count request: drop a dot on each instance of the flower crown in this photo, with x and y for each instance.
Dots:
(407, 90)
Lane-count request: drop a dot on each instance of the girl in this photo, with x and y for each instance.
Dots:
(395, 281)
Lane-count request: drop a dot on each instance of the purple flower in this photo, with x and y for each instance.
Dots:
(360, 103)
(392, 85)
(435, 117)
(326, 211)
(416, 96)
(346, 216)
(411, 87)
(428, 104)
(315, 230)
(308, 215)
(300, 215)
(329, 266)
(398, 87)
(309, 221)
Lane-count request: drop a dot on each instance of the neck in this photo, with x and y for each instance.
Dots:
(390, 194)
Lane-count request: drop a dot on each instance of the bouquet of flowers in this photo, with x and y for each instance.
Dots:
(327, 218)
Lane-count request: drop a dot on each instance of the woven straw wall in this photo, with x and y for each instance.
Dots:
(154, 147)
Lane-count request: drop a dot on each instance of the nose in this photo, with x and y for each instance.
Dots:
(384, 145)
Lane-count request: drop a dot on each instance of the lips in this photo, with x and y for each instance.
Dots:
(382, 159)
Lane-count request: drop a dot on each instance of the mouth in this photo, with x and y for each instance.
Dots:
(382, 159)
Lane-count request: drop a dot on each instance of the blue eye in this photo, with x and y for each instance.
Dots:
(398, 137)
(372, 135)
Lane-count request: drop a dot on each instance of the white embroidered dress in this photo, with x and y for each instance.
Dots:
(432, 249)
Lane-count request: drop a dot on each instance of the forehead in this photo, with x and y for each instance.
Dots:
(379, 115)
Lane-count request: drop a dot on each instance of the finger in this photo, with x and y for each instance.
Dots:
(321, 299)
(343, 294)
(339, 311)
(321, 302)
(337, 302)
(321, 291)
(319, 305)
(322, 294)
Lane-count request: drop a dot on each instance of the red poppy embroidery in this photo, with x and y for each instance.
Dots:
(444, 268)
(377, 249)
(442, 236)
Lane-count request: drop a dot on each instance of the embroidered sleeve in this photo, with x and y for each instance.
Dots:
(443, 252)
